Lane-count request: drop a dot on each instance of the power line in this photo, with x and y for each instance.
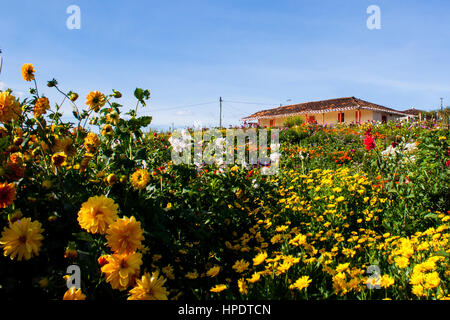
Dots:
(246, 102)
(240, 111)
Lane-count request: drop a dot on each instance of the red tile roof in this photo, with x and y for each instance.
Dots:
(340, 104)
(413, 112)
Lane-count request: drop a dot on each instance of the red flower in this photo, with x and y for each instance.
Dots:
(448, 163)
(102, 260)
(369, 142)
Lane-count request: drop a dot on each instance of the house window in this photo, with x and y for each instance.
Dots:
(272, 123)
(383, 118)
(341, 117)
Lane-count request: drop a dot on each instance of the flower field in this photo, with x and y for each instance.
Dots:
(355, 212)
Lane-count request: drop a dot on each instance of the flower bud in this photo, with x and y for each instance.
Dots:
(117, 94)
(73, 96)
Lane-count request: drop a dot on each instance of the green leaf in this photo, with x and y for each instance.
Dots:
(83, 236)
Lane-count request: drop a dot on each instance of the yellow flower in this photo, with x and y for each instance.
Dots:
(168, 271)
(301, 283)
(43, 283)
(255, 277)
(283, 267)
(243, 288)
(240, 266)
(111, 179)
(416, 278)
(418, 290)
(65, 145)
(401, 262)
(91, 142)
(28, 72)
(214, 271)
(140, 179)
(59, 159)
(97, 213)
(386, 281)
(432, 280)
(342, 267)
(442, 138)
(9, 107)
(260, 257)
(281, 228)
(298, 240)
(107, 130)
(74, 294)
(7, 194)
(149, 288)
(122, 269)
(22, 239)
(218, 288)
(95, 100)
(192, 275)
(113, 118)
(125, 235)
(41, 106)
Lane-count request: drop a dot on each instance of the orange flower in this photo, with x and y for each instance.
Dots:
(7, 194)
(97, 213)
(95, 100)
(74, 294)
(122, 269)
(28, 72)
(9, 107)
(41, 106)
(125, 235)
(91, 142)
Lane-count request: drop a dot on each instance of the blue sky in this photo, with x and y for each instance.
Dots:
(265, 53)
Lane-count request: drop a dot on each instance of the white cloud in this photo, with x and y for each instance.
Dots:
(2, 85)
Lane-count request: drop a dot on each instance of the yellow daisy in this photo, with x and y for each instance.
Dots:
(125, 235)
(149, 288)
(97, 213)
(22, 238)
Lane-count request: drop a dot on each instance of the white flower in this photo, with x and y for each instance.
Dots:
(410, 148)
(390, 151)
(275, 146)
(275, 156)
(178, 145)
(220, 142)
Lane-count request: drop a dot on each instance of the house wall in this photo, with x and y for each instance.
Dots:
(377, 116)
(332, 117)
(329, 118)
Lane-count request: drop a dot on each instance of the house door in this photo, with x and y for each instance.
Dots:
(383, 118)
(272, 123)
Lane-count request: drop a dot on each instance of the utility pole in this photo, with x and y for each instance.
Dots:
(220, 101)
(1, 60)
